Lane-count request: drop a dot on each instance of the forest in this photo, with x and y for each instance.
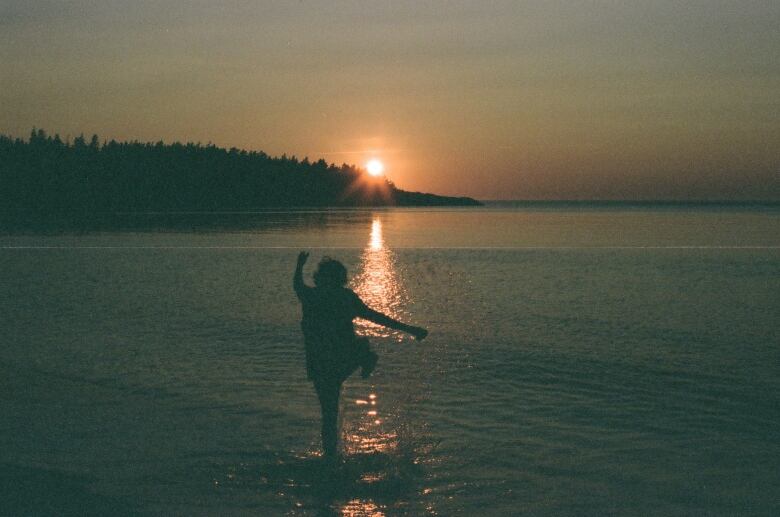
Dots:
(46, 175)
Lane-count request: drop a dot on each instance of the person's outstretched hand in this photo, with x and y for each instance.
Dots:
(302, 257)
(419, 333)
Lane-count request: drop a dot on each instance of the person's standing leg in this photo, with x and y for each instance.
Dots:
(328, 392)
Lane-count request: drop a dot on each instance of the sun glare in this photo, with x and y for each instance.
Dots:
(375, 167)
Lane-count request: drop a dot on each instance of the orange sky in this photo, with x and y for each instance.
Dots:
(496, 100)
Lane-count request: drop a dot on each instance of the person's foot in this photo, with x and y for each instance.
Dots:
(369, 365)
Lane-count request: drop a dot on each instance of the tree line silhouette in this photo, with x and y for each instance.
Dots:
(45, 174)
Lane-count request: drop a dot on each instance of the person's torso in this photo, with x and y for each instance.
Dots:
(328, 313)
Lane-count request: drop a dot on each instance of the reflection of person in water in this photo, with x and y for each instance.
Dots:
(333, 351)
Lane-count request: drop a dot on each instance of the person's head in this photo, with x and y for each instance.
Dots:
(330, 273)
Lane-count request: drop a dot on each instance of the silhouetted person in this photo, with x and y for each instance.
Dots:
(333, 351)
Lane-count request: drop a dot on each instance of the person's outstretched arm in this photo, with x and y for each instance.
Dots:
(298, 284)
(367, 313)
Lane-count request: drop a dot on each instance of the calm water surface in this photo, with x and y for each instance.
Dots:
(602, 361)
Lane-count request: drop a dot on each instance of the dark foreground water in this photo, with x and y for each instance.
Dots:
(581, 361)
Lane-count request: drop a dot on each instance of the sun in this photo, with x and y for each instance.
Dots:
(375, 167)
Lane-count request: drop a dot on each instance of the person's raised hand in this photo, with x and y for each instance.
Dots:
(302, 257)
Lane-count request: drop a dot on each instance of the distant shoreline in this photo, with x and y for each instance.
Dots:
(482, 204)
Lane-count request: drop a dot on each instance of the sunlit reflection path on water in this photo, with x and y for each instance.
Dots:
(378, 285)
(367, 436)
(370, 436)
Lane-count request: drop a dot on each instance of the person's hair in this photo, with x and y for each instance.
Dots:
(330, 273)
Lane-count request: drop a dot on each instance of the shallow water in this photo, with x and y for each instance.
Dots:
(580, 362)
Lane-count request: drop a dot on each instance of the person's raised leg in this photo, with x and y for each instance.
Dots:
(366, 358)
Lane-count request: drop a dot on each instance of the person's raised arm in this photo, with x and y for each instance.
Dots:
(367, 313)
(298, 284)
